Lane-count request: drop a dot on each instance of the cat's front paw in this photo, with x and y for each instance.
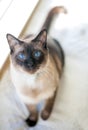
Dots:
(45, 114)
(32, 120)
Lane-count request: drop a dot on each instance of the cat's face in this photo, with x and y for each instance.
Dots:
(31, 55)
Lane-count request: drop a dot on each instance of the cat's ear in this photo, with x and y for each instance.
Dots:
(42, 38)
(12, 40)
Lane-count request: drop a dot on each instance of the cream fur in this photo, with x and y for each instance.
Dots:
(37, 81)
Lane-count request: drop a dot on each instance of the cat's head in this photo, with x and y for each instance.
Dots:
(31, 55)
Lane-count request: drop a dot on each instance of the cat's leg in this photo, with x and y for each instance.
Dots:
(48, 107)
(33, 117)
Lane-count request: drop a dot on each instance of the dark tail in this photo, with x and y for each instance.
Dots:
(55, 11)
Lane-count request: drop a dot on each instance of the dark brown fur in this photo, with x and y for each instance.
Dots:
(56, 10)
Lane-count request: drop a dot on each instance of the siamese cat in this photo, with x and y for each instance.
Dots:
(37, 63)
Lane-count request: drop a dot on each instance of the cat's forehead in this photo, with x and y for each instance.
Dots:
(28, 47)
(28, 39)
(30, 44)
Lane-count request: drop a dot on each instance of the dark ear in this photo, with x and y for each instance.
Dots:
(12, 40)
(42, 38)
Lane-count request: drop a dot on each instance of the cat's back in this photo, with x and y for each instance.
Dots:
(56, 51)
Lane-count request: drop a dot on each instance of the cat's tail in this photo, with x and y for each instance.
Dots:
(53, 12)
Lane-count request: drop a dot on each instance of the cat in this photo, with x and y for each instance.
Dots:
(36, 66)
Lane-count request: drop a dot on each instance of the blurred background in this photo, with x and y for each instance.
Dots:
(25, 16)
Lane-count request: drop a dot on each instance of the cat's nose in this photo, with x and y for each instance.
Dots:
(30, 64)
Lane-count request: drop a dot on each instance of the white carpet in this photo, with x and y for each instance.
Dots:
(71, 106)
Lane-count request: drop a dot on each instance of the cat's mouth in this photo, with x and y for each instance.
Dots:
(30, 68)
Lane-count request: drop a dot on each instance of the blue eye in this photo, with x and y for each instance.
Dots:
(22, 56)
(37, 54)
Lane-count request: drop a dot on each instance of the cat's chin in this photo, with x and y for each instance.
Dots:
(31, 70)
